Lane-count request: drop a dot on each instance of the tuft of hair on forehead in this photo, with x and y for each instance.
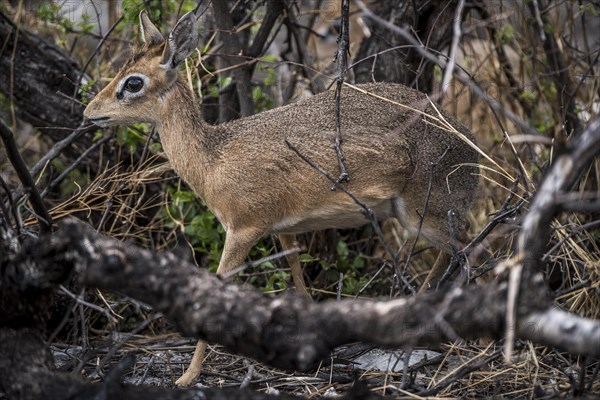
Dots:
(140, 51)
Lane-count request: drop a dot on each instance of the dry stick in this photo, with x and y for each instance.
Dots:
(578, 230)
(119, 343)
(248, 377)
(269, 258)
(53, 153)
(535, 231)
(563, 173)
(44, 219)
(342, 59)
(464, 371)
(449, 71)
(59, 147)
(74, 165)
(375, 275)
(246, 321)
(506, 210)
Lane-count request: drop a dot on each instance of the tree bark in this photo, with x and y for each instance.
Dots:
(431, 22)
(39, 78)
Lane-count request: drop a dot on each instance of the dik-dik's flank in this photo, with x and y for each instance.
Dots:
(256, 185)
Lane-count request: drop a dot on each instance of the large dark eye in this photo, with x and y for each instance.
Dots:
(134, 84)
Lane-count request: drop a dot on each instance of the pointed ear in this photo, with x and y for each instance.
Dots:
(182, 41)
(148, 31)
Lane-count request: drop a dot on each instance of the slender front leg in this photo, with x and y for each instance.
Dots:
(193, 370)
(237, 246)
(289, 242)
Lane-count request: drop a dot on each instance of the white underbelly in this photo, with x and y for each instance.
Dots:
(331, 217)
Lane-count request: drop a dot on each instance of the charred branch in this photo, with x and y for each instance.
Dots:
(44, 219)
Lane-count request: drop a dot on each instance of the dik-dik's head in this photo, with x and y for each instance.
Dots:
(136, 93)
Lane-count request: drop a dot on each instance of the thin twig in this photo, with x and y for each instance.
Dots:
(449, 71)
(432, 166)
(342, 59)
(465, 370)
(59, 147)
(74, 165)
(271, 257)
(79, 300)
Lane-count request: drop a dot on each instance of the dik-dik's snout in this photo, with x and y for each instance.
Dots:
(92, 115)
(98, 113)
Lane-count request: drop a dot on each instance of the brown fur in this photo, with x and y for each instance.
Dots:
(256, 185)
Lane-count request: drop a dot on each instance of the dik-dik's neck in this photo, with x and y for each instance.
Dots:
(185, 135)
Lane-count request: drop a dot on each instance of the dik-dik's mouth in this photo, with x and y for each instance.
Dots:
(102, 122)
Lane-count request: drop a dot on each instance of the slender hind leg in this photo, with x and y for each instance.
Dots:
(289, 242)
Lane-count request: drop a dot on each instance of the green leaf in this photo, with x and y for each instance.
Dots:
(528, 96)
(506, 34)
(306, 258)
(342, 249)
(183, 196)
(97, 136)
(225, 81)
(256, 93)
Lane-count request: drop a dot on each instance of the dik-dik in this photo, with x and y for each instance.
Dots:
(256, 185)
